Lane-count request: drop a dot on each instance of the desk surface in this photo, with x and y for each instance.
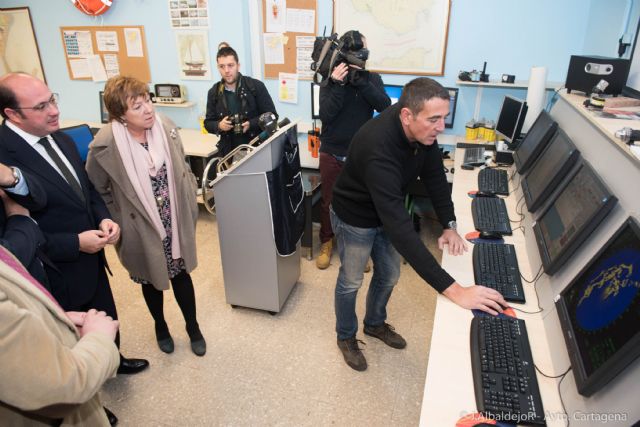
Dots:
(449, 392)
(606, 126)
(195, 143)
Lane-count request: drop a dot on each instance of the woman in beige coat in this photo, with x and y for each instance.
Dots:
(137, 164)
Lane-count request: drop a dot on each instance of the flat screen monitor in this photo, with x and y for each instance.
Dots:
(632, 86)
(315, 101)
(394, 92)
(536, 140)
(600, 312)
(548, 171)
(511, 118)
(573, 213)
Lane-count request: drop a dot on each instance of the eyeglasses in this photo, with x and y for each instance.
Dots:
(55, 98)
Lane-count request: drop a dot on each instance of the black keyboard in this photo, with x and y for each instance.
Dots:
(490, 214)
(493, 181)
(474, 156)
(504, 377)
(496, 266)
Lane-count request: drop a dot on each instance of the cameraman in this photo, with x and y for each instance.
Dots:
(346, 103)
(235, 103)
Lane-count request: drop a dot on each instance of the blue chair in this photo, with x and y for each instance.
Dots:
(81, 136)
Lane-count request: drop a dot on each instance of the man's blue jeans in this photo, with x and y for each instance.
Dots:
(355, 246)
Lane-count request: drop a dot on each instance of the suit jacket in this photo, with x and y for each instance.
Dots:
(47, 371)
(140, 248)
(64, 217)
(20, 234)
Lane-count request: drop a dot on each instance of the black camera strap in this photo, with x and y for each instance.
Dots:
(323, 54)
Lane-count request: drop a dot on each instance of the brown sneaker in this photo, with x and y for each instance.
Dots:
(387, 334)
(352, 354)
(324, 258)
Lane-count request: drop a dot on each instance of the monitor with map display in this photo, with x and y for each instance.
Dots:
(600, 312)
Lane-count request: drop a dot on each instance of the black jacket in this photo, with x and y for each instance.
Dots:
(20, 234)
(64, 217)
(345, 108)
(372, 186)
(254, 99)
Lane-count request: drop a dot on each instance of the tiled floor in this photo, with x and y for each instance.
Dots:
(270, 370)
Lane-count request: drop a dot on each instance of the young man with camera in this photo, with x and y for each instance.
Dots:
(235, 103)
(347, 101)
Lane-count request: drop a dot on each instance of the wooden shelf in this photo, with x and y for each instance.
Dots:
(186, 104)
(518, 84)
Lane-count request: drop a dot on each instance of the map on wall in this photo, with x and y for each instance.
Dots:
(18, 45)
(403, 36)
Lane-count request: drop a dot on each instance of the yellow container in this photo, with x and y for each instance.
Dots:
(202, 128)
(490, 134)
(471, 131)
(481, 131)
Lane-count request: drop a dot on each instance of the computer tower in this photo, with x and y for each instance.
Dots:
(586, 71)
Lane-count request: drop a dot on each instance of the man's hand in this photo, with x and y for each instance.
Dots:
(77, 317)
(111, 230)
(98, 321)
(340, 72)
(245, 126)
(92, 241)
(451, 238)
(225, 124)
(6, 175)
(477, 297)
(11, 207)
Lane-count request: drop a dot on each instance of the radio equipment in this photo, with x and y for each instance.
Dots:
(168, 93)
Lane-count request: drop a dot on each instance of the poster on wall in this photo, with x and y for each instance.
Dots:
(189, 13)
(18, 45)
(408, 37)
(193, 54)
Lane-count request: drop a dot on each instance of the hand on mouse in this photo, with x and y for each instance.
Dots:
(478, 297)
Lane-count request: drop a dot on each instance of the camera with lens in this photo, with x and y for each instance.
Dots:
(329, 52)
(236, 121)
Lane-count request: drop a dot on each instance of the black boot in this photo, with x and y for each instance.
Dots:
(113, 420)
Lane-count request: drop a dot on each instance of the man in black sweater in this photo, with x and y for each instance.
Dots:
(346, 103)
(370, 219)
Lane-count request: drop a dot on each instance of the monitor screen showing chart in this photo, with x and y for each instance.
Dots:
(600, 311)
(536, 140)
(580, 204)
(548, 170)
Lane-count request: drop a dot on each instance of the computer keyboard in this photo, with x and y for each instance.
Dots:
(496, 266)
(504, 376)
(474, 156)
(493, 181)
(490, 214)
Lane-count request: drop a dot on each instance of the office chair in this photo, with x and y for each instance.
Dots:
(81, 136)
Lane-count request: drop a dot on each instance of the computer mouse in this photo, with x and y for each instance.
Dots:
(466, 167)
(490, 235)
(484, 425)
(483, 194)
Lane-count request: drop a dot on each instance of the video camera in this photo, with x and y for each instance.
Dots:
(329, 52)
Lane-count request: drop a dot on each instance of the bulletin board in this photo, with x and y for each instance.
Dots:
(125, 44)
(290, 48)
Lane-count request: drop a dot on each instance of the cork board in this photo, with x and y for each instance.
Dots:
(290, 48)
(121, 49)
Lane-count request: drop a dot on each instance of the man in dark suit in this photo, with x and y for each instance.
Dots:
(75, 221)
(18, 232)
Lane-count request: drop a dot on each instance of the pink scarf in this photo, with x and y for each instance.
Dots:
(140, 164)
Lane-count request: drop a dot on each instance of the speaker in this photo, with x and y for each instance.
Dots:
(586, 71)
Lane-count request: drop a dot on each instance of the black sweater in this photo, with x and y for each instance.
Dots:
(344, 109)
(371, 188)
